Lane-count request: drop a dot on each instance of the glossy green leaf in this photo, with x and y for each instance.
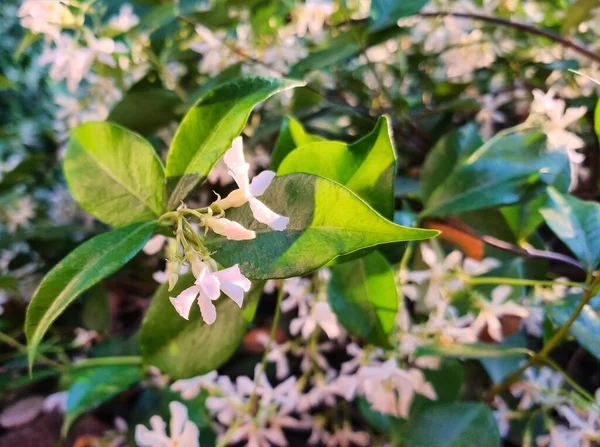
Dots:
(498, 368)
(575, 222)
(96, 310)
(95, 383)
(114, 173)
(386, 13)
(455, 424)
(364, 296)
(209, 127)
(326, 221)
(184, 348)
(473, 351)
(585, 329)
(576, 13)
(145, 108)
(84, 267)
(366, 167)
(291, 136)
(500, 172)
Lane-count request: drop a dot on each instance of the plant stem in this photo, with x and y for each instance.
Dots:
(519, 281)
(13, 343)
(569, 380)
(542, 356)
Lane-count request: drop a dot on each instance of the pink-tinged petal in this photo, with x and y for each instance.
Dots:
(179, 415)
(261, 182)
(154, 245)
(207, 309)
(233, 283)
(235, 154)
(190, 436)
(500, 293)
(494, 328)
(230, 229)
(265, 215)
(209, 285)
(240, 174)
(183, 302)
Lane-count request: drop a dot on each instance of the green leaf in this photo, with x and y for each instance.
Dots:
(455, 424)
(575, 222)
(96, 383)
(366, 167)
(385, 13)
(473, 351)
(208, 129)
(183, 348)
(145, 108)
(326, 221)
(577, 13)
(83, 268)
(500, 172)
(291, 136)
(96, 310)
(8, 283)
(364, 296)
(114, 174)
(585, 329)
(498, 368)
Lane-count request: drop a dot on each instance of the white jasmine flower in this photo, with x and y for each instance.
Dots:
(311, 16)
(18, 213)
(44, 17)
(390, 389)
(216, 55)
(491, 311)
(585, 423)
(190, 388)
(247, 192)
(22, 412)
(102, 49)
(231, 230)
(84, 338)
(56, 402)
(320, 315)
(346, 437)
(489, 114)
(182, 432)
(540, 388)
(69, 61)
(125, 20)
(208, 287)
(298, 295)
(155, 244)
(502, 416)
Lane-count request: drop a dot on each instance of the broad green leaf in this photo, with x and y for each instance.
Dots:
(208, 129)
(585, 329)
(386, 13)
(454, 424)
(114, 174)
(366, 167)
(96, 310)
(577, 13)
(500, 172)
(364, 296)
(8, 283)
(183, 348)
(326, 221)
(96, 383)
(145, 108)
(498, 368)
(473, 351)
(575, 222)
(83, 268)
(291, 136)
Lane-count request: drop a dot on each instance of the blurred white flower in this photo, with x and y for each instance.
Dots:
(312, 15)
(489, 114)
(182, 432)
(319, 315)
(542, 387)
(346, 437)
(190, 388)
(125, 20)
(44, 17)
(56, 402)
(491, 311)
(84, 338)
(21, 412)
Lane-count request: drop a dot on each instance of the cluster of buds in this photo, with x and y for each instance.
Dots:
(187, 251)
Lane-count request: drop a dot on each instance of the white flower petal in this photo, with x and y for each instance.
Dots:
(207, 309)
(231, 230)
(265, 215)
(179, 415)
(261, 182)
(233, 283)
(183, 302)
(154, 245)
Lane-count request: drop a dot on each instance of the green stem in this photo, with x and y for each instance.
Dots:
(557, 338)
(104, 361)
(569, 380)
(519, 282)
(230, 431)
(13, 343)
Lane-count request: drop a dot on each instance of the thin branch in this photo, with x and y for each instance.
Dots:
(579, 48)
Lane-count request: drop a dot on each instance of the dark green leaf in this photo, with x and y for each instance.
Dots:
(364, 296)
(114, 174)
(500, 172)
(96, 310)
(499, 368)
(366, 167)
(95, 383)
(455, 424)
(84, 267)
(577, 13)
(183, 348)
(386, 13)
(208, 129)
(585, 329)
(326, 221)
(575, 222)
(291, 136)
